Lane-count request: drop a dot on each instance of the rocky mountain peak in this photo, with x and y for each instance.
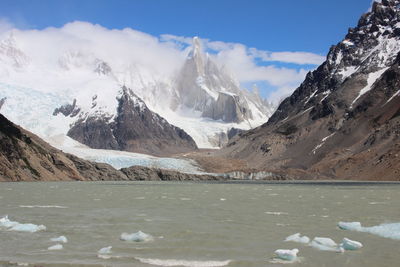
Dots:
(364, 54)
(133, 128)
(343, 121)
(204, 86)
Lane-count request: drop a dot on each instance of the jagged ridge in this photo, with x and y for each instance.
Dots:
(342, 122)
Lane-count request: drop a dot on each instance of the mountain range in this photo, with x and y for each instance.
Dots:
(125, 106)
(342, 122)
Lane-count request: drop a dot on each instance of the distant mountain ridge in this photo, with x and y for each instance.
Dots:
(342, 121)
(200, 103)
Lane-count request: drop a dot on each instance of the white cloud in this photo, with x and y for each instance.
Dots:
(163, 55)
(300, 58)
(242, 63)
(119, 48)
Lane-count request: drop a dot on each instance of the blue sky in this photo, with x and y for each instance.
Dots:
(273, 26)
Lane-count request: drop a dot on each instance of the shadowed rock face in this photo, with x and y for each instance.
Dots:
(25, 157)
(2, 101)
(228, 108)
(342, 121)
(135, 128)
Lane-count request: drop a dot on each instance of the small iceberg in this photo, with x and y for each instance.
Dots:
(21, 227)
(28, 227)
(287, 254)
(106, 250)
(56, 247)
(348, 244)
(136, 237)
(61, 239)
(298, 238)
(6, 223)
(387, 230)
(325, 243)
(353, 226)
(103, 253)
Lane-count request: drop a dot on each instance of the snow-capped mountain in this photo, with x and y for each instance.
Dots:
(58, 91)
(343, 119)
(209, 89)
(133, 128)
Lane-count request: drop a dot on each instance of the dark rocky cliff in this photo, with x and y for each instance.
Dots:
(135, 128)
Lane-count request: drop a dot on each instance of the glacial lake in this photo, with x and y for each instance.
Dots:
(197, 224)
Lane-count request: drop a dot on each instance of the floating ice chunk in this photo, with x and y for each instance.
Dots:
(287, 254)
(324, 243)
(5, 222)
(27, 227)
(298, 238)
(185, 263)
(106, 250)
(56, 247)
(348, 244)
(22, 227)
(103, 253)
(354, 226)
(387, 230)
(136, 237)
(61, 239)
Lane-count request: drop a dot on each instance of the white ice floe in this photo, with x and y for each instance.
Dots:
(354, 226)
(61, 239)
(56, 247)
(27, 227)
(105, 250)
(21, 227)
(287, 254)
(387, 230)
(6, 223)
(348, 244)
(324, 243)
(185, 263)
(103, 253)
(136, 237)
(298, 238)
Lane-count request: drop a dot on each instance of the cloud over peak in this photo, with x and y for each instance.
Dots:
(163, 54)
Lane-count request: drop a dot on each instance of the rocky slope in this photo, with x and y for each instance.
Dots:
(25, 157)
(134, 128)
(343, 121)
